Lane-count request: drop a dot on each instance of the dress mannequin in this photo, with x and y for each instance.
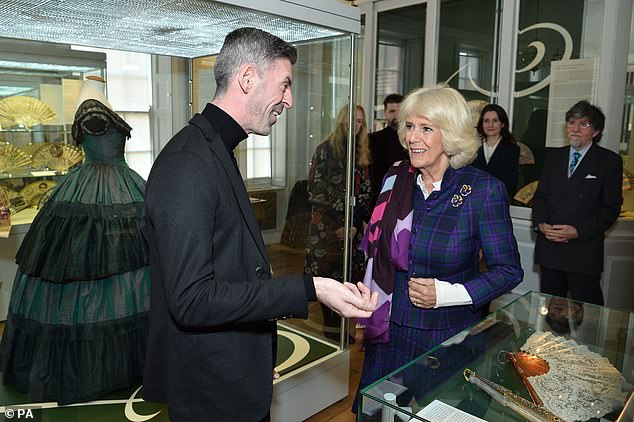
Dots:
(78, 315)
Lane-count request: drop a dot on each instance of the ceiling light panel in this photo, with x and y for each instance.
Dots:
(185, 28)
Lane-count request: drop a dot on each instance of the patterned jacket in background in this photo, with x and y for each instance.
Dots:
(326, 189)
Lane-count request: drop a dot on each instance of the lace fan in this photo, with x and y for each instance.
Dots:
(573, 382)
(12, 158)
(25, 111)
(57, 156)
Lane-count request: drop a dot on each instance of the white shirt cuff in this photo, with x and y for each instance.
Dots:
(448, 294)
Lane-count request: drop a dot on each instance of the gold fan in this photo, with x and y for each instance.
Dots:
(25, 111)
(33, 192)
(5, 123)
(5, 209)
(11, 158)
(57, 156)
(30, 148)
(525, 195)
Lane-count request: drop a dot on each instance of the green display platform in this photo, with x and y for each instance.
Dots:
(295, 350)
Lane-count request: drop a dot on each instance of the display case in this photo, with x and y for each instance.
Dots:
(39, 87)
(182, 37)
(472, 376)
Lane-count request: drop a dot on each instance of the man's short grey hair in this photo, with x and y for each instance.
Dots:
(249, 45)
(446, 108)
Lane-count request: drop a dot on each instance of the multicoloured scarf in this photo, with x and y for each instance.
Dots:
(386, 242)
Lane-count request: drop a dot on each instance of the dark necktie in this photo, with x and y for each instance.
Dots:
(574, 161)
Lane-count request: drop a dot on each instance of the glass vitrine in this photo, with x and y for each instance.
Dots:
(448, 382)
(183, 38)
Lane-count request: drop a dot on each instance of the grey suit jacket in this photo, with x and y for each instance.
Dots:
(210, 353)
(590, 200)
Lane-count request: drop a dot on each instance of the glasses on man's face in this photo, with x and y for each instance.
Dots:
(583, 123)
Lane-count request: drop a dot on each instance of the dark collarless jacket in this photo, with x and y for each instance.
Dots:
(590, 201)
(503, 165)
(210, 352)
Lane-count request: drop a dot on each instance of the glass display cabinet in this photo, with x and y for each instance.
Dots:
(39, 87)
(183, 38)
(475, 375)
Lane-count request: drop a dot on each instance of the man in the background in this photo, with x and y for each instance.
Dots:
(578, 198)
(385, 147)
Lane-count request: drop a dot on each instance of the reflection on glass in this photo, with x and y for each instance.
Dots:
(327, 196)
(547, 32)
(321, 85)
(400, 54)
(467, 50)
(564, 315)
(625, 146)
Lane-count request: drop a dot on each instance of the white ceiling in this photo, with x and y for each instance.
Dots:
(185, 28)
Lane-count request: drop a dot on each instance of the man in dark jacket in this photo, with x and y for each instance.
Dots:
(578, 198)
(214, 305)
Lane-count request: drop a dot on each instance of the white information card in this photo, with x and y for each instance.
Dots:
(438, 411)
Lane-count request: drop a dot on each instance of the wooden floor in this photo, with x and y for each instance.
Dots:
(340, 411)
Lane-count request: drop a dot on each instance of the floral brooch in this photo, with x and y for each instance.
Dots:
(458, 199)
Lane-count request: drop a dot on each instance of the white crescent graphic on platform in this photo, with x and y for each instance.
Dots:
(131, 414)
(301, 348)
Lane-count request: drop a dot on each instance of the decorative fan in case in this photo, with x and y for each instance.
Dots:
(25, 111)
(44, 198)
(30, 148)
(12, 158)
(33, 192)
(5, 209)
(572, 381)
(526, 194)
(57, 156)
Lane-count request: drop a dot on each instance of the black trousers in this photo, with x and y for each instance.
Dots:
(582, 287)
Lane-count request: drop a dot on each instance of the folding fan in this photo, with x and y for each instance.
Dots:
(570, 380)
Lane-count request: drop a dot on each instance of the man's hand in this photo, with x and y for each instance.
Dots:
(560, 233)
(346, 299)
(422, 292)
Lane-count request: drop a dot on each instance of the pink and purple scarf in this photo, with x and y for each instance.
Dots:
(386, 242)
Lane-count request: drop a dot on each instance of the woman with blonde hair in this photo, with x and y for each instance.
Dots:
(433, 216)
(326, 190)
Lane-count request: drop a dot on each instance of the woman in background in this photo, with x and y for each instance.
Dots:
(499, 154)
(327, 196)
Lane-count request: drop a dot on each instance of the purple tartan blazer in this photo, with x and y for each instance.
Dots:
(445, 244)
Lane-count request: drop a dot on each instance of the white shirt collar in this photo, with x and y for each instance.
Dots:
(421, 184)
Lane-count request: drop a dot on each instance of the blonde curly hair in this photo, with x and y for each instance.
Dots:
(446, 108)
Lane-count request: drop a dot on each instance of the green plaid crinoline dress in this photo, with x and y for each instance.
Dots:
(78, 314)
